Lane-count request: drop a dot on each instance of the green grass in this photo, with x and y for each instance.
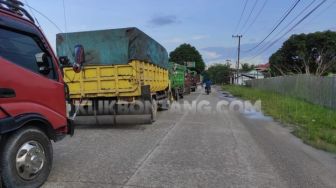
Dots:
(314, 124)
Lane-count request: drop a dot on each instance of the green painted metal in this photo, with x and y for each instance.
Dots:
(177, 75)
(113, 47)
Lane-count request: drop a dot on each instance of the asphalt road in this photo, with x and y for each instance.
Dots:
(188, 149)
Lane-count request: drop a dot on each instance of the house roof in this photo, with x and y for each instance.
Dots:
(263, 67)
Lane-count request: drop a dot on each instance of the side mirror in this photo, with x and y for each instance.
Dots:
(79, 58)
(42, 61)
(64, 61)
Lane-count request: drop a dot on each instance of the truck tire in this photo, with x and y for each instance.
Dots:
(181, 96)
(171, 97)
(181, 93)
(177, 96)
(164, 104)
(26, 158)
(189, 91)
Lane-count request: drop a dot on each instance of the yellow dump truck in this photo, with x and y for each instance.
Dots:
(125, 72)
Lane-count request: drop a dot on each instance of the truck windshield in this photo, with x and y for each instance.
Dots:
(21, 49)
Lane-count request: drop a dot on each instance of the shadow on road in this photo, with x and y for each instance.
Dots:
(126, 122)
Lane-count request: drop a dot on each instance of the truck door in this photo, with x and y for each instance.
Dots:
(30, 87)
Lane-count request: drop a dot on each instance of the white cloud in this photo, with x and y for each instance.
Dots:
(175, 40)
(210, 55)
(254, 60)
(199, 37)
(180, 40)
(220, 61)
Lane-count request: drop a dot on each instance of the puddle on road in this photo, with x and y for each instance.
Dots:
(253, 114)
(226, 96)
(250, 113)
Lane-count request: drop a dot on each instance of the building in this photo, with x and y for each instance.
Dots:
(254, 74)
(260, 72)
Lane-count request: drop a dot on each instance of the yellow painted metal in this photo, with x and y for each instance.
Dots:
(115, 80)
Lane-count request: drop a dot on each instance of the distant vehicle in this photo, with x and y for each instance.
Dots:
(32, 99)
(208, 90)
(176, 76)
(123, 68)
(208, 84)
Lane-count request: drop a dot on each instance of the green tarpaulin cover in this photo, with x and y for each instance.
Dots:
(114, 46)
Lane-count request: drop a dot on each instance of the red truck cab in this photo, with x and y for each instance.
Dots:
(32, 100)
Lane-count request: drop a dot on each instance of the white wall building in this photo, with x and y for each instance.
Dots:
(243, 77)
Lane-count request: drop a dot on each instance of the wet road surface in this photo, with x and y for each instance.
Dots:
(190, 149)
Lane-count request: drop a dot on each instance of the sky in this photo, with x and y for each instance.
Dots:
(206, 24)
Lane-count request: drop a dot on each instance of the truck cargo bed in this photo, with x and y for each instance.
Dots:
(115, 80)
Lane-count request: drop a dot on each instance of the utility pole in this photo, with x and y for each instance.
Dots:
(228, 62)
(239, 38)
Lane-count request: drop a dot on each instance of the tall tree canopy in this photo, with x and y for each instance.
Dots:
(187, 53)
(313, 53)
(219, 73)
(247, 67)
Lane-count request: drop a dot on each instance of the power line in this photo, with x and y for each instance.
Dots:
(32, 13)
(66, 29)
(280, 21)
(241, 16)
(257, 16)
(46, 17)
(292, 28)
(250, 14)
(320, 13)
(65, 18)
(288, 25)
(276, 27)
(293, 20)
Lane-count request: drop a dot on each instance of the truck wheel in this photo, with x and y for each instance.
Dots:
(171, 97)
(154, 109)
(26, 158)
(164, 105)
(177, 96)
(181, 96)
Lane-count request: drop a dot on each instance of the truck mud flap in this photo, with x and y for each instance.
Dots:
(146, 93)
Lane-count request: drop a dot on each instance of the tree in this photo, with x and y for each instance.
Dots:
(219, 73)
(247, 67)
(313, 53)
(187, 53)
